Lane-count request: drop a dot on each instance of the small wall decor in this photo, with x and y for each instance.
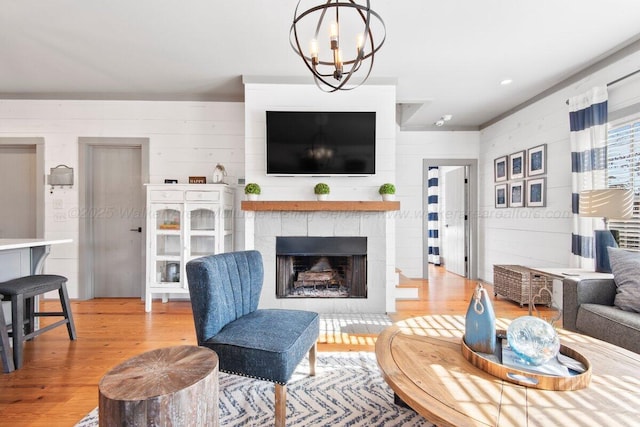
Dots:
(536, 190)
(218, 174)
(516, 165)
(537, 160)
(61, 175)
(501, 196)
(500, 169)
(197, 180)
(170, 181)
(516, 194)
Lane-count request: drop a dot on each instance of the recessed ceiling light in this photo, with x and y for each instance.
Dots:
(443, 119)
(506, 82)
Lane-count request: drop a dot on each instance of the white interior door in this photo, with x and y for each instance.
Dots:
(453, 250)
(18, 195)
(117, 210)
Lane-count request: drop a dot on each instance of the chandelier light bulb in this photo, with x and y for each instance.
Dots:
(313, 49)
(359, 43)
(333, 33)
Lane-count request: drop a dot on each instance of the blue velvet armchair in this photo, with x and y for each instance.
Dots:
(266, 344)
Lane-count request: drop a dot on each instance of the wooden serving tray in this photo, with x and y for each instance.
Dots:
(526, 378)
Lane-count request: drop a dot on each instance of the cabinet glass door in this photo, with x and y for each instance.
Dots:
(202, 230)
(167, 245)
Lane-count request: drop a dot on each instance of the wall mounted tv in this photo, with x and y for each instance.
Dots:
(321, 143)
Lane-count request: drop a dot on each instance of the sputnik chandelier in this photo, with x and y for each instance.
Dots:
(333, 30)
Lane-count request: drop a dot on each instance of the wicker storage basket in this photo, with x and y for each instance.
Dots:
(512, 282)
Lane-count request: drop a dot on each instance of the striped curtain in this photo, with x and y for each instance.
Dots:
(588, 119)
(433, 225)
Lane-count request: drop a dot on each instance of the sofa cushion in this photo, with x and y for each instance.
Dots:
(267, 344)
(610, 324)
(625, 266)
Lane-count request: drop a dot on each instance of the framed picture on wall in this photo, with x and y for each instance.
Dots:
(516, 194)
(516, 165)
(537, 160)
(501, 196)
(500, 169)
(536, 190)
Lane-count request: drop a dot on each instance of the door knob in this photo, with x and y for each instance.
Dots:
(139, 229)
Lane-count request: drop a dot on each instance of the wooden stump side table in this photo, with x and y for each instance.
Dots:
(168, 386)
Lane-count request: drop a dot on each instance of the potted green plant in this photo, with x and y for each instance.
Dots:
(321, 190)
(252, 190)
(387, 191)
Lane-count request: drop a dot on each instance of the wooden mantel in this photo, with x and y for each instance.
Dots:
(313, 205)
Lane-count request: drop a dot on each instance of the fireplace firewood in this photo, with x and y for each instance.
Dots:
(315, 276)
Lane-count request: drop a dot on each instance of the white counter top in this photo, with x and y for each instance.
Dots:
(6, 244)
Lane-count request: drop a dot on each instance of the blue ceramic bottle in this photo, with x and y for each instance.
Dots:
(480, 323)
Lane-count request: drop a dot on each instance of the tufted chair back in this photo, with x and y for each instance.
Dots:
(223, 288)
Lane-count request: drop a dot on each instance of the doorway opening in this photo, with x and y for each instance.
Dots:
(22, 164)
(112, 207)
(455, 221)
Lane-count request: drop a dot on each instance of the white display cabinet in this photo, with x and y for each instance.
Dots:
(184, 222)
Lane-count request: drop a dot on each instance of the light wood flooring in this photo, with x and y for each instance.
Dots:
(58, 384)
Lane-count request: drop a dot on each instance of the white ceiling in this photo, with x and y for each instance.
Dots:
(448, 57)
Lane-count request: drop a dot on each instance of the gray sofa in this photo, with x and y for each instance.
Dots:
(588, 309)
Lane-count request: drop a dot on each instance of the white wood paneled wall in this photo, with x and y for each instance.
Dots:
(412, 148)
(261, 97)
(185, 138)
(307, 97)
(537, 236)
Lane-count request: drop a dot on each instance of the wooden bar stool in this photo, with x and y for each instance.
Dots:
(7, 356)
(22, 292)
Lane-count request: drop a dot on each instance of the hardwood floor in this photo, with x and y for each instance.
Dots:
(58, 384)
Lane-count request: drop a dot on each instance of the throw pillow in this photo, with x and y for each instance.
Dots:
(625, 266)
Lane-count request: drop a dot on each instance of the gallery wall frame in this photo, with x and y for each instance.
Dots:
(517, 165)
(537, 160)
(516, 194)
(536, 192)
(501, 196)
(500, 169)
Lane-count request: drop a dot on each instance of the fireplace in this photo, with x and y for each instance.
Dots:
(321, 267)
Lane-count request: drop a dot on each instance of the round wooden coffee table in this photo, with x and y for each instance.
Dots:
(421, 360)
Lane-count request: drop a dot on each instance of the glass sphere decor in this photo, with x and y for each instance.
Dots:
(533, 340)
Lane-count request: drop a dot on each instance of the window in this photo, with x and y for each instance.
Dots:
(623, 171)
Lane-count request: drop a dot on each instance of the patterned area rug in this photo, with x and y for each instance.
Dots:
(347, 390)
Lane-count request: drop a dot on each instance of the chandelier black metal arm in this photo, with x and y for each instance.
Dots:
(337, 64)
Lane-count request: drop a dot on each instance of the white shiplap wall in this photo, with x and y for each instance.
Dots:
(412, 148)
(185, 138)
(536, 236)
(300, 97)
(261, 97)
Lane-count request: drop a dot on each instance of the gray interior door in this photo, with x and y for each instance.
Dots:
(117, 210)
(18, 196)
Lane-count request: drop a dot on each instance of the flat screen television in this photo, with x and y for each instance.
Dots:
(321, 143)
